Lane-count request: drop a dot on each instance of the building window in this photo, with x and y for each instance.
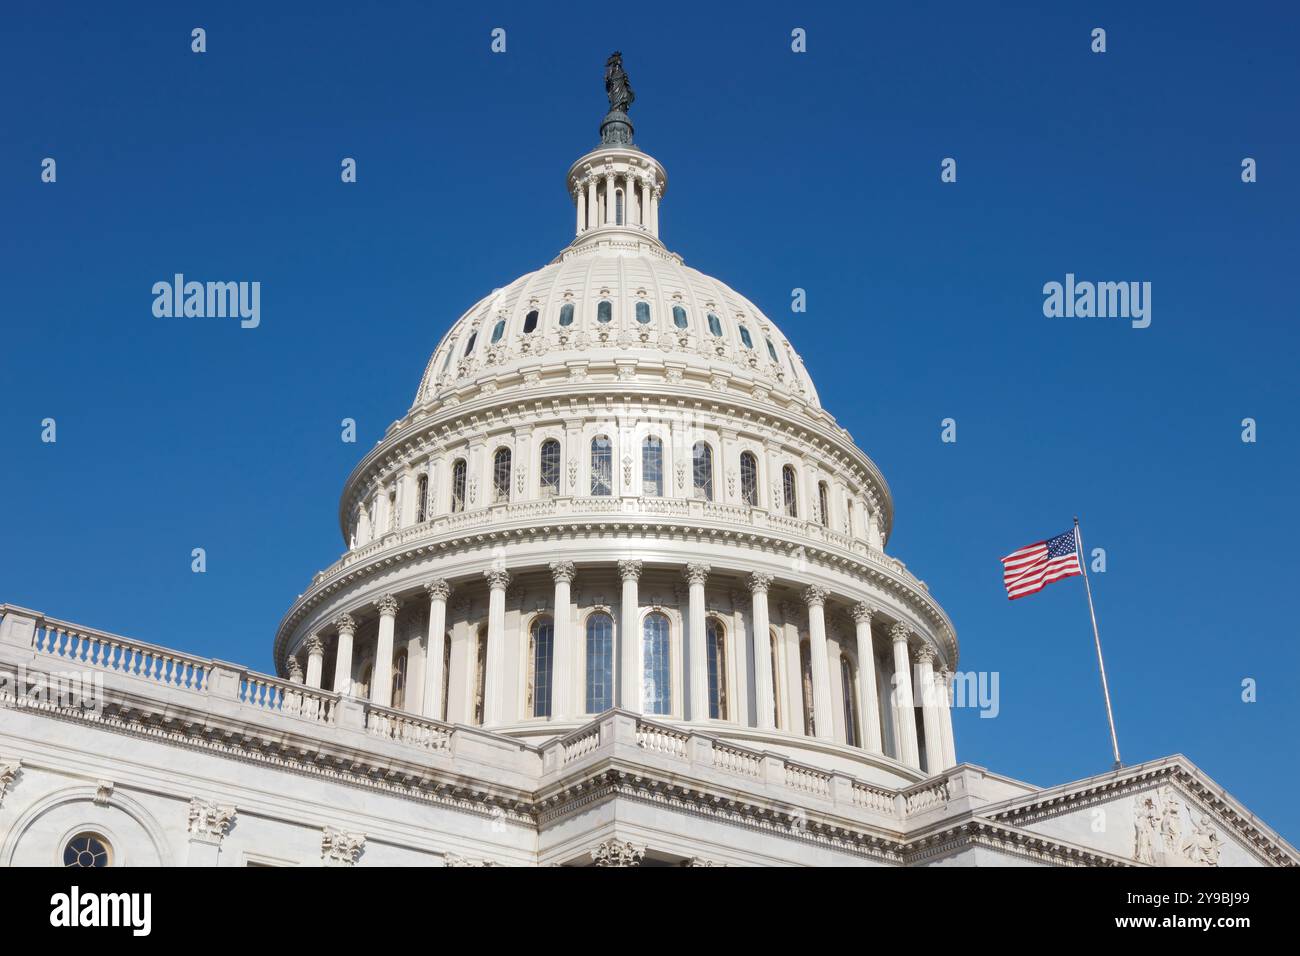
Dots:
(618, 207)
(600, 663)
(806, 684)
(652, 467)
(458, 486)
(702, 467)
(480, 675)
(549, 473)
(656, 674)
(824, 503)
(498, 330)
(87, 850)
(849, 690)
(399, 681)
(775, 645)
(745, 339)
(363, 685)
(715, 640)
(771, 351)
(446, 672)
(749, 479)
(604, 312)
(788, 491)
(541, 646)
(643, 312)
(422, 499)
(501, 475)
(451, 354)
(715, 325)
(469, 344)
(602, 466)
(679, 317)
(530, 322)
(566, 314)
(848, 507)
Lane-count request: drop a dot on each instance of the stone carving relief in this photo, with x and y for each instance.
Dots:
(339, 848)
(618, 853)
(210, 821)
(1158, 832)
(8, 774)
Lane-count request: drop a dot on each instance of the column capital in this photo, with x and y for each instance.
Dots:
(629, 569)
(387, 606)
(814, 596)
(345, 622)
(295, 670)
(438, 589)
(899, 632)
(760, 583)
(314, 646)
(862, 612)
(563, 571)
(944, 675)
(696, 572)
(925, 654)
(498, 579)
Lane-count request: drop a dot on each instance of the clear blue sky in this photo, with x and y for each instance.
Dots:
(819, 171)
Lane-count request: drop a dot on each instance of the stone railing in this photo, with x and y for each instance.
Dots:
(407, 728)
(284, 697)
(660, 739)
(733, 759)
(925, 796)
(578, 745)
(810, 779)
(873, 798)
(77, 646)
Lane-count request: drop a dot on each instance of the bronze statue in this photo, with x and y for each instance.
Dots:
(617, 86)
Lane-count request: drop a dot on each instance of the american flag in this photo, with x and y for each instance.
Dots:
(1029, 569)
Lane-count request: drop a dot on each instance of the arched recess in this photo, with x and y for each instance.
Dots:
(91, 817)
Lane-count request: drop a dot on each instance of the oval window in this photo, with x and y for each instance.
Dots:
(679, 317)
(498, 330)
(604, 311)
(566, 314)
(643, 313)
(715, 325)
(744, 337)
(771, 351)
(530, 322)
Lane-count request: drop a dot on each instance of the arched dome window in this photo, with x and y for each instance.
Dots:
(749, 479)
(602, 466)
(643, 312)
(848, 507)
(480, 675)
(771, 351)
(446, 672)
(702, 468)
(530, 322)
(774, 646)
(652, 467)
(422, 499)
(656, 673)
(788, 491)
(498, 330)
(715, 325)
(566, 314)
(600, 663)
(87, 850)
(849, 691)
(458, 486)
(618, 207)
(469, 343)
(549, 472)
(399, 681)
(745, 339)
(679, 317)
(451, 354)
(806, 684)
(715, 639)
(501, 475)
(824, 504)
(604, 312)
(541, 650)
(367, 677)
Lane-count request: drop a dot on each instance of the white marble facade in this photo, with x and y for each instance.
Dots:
(615, 592)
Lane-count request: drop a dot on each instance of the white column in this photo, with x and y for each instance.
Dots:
(764, 706)
(580, 203)
(654, 211)
(929, 710)
(562, 664)
(868, 704)
(592, 206)
(315, 660)
(435, 649)
(630, 203)
(943, 683)
(906, 716)
(347, 627)
(381, 681)
(696, 575)
(738, 707)
(498, 580)
(630, 637)
(609, 199)
(823, 721)
(645, 202)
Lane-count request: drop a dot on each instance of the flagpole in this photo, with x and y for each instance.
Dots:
(1105, 687)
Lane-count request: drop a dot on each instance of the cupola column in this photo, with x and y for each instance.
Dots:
(868, 703)
(580, 201)
(929, 709)
(631, 210)
(609, 198)
(432, 703)
(347, 627)
(563, 573)
(815, 598)
(696, 574)
(315, 660)
(589, 214)
(498, 580)
(381, 681)
(943, 681)
(905, 715)
(630, 636)
(765, 705)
